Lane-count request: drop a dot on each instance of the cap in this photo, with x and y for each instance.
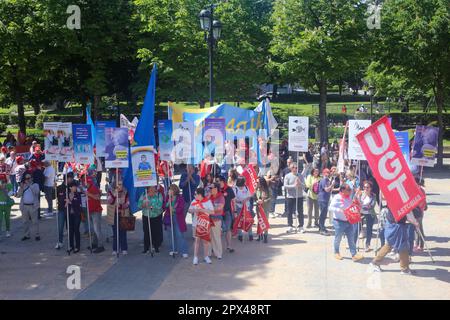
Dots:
(19, 160)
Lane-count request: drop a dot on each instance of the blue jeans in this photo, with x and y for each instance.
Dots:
(62, 216)
(14, 183)
(411, 237)
(382, 238)
(273, 199)
(228, 221)
(370, 219)
(180, 243)
(323, 207)
(341, 228)
(123, 244)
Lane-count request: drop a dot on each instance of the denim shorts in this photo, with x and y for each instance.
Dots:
(228, 220)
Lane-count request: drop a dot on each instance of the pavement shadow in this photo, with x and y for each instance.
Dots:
(438, 274)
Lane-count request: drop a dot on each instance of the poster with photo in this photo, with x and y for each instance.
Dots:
(100, 127)
(354, 128)
(183, 138)
(425, 146)
(51, 141)
(116, 141)
(65, 142)
(214, 138)
(143, 165)
(82, 144)
(165, 140)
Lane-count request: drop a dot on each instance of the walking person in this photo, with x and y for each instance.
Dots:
(93, 195)
(119, 204)
(178, 220)
(203, 205)
(151, 205)
(73, 203)
(341, 225)
(367, 199)
(419, 242)
(273, 181)
(29, 205)
(336, 180)
(61, 195)
(228, 217)
(308, 158)
(262, 196)
(293, 184)
(312, 185)
(218, 201)
(242, 199)
(325, 188)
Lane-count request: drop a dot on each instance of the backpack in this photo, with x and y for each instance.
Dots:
(315, 188)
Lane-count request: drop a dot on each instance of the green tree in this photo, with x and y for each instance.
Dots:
(319, 41)
(414, 44)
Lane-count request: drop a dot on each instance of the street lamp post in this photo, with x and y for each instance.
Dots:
(371, 92)
(213, 30)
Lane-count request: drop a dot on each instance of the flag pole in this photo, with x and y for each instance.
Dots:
(171, 225)
(149, 226)
(378, 224)
(117, 211)
(88, 214)
(426, 246)
(421, 174)
(56, 198)
(67, 215)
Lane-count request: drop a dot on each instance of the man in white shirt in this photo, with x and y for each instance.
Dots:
(29, 205)
(12, 164)
(49, 186)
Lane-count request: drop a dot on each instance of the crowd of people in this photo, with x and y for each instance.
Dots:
(216, 190)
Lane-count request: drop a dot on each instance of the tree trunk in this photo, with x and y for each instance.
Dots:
(323, 123)
(95, 106)
(202, 103)
(36, 107)
(21, 113)
(439, 93)
(60, 104)
(83, 109)
(340, 88)
(275, 91)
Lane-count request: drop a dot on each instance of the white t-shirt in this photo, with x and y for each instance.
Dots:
(12, 164)
(207, 205)
(49, 174)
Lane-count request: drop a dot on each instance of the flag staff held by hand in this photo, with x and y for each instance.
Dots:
(117, 211)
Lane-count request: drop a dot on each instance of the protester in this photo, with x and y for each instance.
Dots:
(227, 224)
(73, 204)
(396, 234)
(12, 165)
(284, 173)
(189, 182)
(341, 225)
(120, 205)
(308, 158)
(175, 205)
(208, 183)
(5, 204)
(242, 199)
(293, 184)
(93, 195)
(49, 186)
(151, 205)
(203, 205)
(336, 180)
(324, 156)
(262, 196)
(218, 201)
(367, 199)
(312, 185)
(232, 178)
(61, 195)
(20, 169)
(29, 206)
(274, 182)
(325, 187)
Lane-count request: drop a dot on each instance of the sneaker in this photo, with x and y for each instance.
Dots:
(76, 250)
(25, 238)
(171, 253)
(185, 255)
(375, 267)
(338, 256)
(301, 230)
(407, 272)
(8, 234)
(208, 260)
(396, 257)
(290, 230)
(324, 233)
(357, 257)
(195, 261)
(99, 249)
(124, 252)
(219, 258)
(37, 238)
(58, 245)
(308, 226)
(230, 250)
(367, 249)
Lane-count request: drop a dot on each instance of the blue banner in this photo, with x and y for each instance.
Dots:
(100, 135)
(165, 139)
(214, 137)
(82, 143)
(403, 141)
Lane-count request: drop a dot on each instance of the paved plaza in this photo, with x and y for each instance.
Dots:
(290, 266)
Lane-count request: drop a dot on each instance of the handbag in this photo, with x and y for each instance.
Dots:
(127, 223)
(352, 213)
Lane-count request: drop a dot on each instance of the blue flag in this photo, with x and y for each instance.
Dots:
(90, 122)
(143, 136)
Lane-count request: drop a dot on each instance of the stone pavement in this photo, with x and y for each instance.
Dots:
(290, 266)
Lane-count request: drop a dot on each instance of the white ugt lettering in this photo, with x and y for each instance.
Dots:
(374, 148)
(398, 184)
(382, 167)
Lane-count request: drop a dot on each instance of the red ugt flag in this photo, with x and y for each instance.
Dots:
(203, 228)
(263, 223)
(389, 168)
(244, 221)
(251, 178)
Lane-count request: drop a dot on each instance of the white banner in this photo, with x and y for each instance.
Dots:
(298, 134)
(354, 128)
(65, 142)
(143, 165)
(183, 138)
(51, 141)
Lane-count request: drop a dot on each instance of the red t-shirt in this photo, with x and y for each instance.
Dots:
(94, 204)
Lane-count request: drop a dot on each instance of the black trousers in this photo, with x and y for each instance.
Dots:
(290, 205)
(74, 230)
(157, 232)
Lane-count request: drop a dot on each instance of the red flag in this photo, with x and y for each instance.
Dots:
(263, 223)
(244, 221)
(353, 213)
(203, 228)
(251, 178)
(389, 168)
